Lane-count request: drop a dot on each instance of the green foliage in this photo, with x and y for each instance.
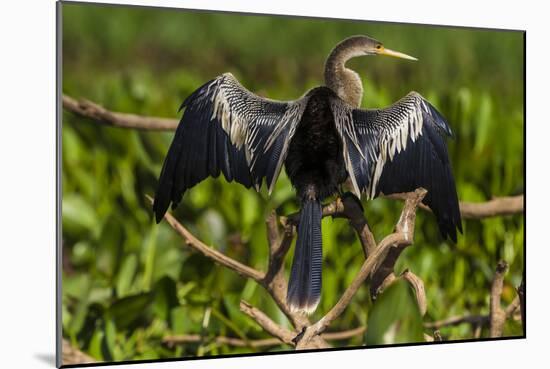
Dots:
(128, 282)
(395, 317)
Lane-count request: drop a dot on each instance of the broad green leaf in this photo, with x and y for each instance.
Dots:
(78, 215)
(95, 347)
(185, 321)
(395, 317)
(110, 336)
(126, 275)
(165, 298)
(148, 257)
(126, 310)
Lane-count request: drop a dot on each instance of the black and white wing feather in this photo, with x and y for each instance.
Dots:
(399, 149)
(227, 129)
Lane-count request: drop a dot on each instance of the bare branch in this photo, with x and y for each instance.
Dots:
(513, 307)
(378, 286)
(220, 340)
(238, 342)
(272, 232)
(384, 275)
(278, 247)
(267, 324)
(211, 253)
(343, 335)
(418, 286)
(456, 320)
(497, 206)
(91, 110)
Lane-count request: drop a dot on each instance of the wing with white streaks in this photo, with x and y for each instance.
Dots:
(398, 149)
(227, 129)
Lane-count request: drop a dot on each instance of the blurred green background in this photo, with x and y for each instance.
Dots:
(127, 282)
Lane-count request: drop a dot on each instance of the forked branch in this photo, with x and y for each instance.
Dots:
(273, 281)
(497, 315)
(401, 237)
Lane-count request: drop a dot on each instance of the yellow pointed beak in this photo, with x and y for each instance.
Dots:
(396, 54)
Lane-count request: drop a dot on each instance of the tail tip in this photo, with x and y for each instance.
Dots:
(306, 308)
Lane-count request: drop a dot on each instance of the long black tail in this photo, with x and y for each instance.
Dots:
(304, 286)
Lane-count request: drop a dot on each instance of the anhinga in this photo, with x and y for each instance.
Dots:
(323, 138)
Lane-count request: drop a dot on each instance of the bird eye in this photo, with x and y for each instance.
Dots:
(378, 47)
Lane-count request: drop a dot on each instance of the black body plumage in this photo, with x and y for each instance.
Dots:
(322, 141)
(315, 161)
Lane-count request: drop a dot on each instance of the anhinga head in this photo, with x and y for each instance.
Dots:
(345, 82)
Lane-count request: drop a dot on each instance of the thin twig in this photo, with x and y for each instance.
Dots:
(513, 307)
(419, 292)
(475, 320)
(344, 335)
(267, 324)
(497, 316)
(456, 320)
(211, 253)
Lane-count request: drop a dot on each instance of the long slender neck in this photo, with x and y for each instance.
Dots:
(343, 81)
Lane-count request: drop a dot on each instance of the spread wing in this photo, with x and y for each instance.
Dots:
(398, 149)
(227, 129)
